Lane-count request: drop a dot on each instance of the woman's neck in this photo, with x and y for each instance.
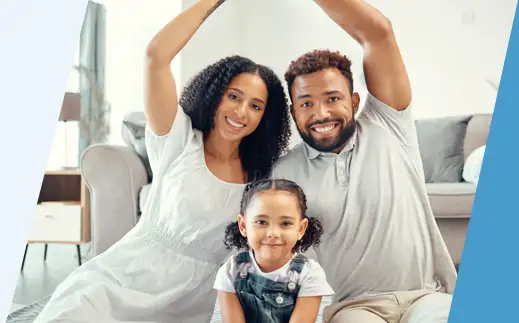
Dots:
(221, 149)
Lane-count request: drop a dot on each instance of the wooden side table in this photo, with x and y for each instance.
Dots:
(62, 212)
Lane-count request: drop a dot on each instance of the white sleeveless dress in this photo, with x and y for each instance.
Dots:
(163, 270)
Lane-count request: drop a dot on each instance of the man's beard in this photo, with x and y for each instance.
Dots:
(331, 144)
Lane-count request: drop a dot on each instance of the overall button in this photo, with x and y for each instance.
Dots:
(291, 286)
(279, 299)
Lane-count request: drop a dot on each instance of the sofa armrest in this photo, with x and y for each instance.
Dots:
(114, 176)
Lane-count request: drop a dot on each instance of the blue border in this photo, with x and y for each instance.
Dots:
(487, 284)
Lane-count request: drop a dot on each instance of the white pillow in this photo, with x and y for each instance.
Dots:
(472, 166)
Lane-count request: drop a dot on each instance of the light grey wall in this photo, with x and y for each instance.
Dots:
(448, 56)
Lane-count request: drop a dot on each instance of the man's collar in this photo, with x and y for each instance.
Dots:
(312, 153)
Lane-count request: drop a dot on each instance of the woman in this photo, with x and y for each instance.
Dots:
(231, 125)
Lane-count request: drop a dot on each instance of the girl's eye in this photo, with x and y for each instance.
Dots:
(287, 223)
(233, 97)
(306, 104)
(255, 107)
(261, 222)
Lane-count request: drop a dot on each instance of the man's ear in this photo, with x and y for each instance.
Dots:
(242, 225)
(355, 102)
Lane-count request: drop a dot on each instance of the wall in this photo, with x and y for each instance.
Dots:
(130, 26)
(218, 37)
(448, 56)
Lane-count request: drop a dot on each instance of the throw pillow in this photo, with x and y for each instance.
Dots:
(472, 167)
(441, 148)
(134, 136)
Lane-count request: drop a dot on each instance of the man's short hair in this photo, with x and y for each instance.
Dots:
(316, 61)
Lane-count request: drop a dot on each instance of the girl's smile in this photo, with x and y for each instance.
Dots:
(273, 225)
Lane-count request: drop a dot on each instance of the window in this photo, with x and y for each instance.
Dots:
(64, 149)
(73, 80)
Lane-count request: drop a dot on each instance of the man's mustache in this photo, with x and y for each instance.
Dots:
(323, 121)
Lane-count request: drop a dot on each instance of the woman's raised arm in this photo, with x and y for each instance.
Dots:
(161, 99)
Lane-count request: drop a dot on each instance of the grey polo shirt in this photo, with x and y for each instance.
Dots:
(380, 235)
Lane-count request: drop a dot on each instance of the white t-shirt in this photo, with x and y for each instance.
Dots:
(312, 280)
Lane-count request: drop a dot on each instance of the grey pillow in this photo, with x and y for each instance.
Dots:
(134, 136)
(441, 144)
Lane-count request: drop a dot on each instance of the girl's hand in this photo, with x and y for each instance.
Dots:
(306, 310)
(230, 308)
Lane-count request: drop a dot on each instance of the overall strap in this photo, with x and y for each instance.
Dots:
(242, 257)
(243, 263)
(298, 262)
(296, 266)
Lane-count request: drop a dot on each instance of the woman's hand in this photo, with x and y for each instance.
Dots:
(161, 101)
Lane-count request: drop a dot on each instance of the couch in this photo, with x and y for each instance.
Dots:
(119, 178)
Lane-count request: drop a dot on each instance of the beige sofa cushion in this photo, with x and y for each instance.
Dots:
(451, 200)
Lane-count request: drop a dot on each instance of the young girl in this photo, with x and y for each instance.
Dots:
(270, 281)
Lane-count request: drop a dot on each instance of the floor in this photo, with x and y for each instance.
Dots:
(39, 278)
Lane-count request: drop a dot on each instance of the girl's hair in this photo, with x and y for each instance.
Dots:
(312, 236)
(203, 94)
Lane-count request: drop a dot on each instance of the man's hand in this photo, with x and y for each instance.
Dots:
(384, 69)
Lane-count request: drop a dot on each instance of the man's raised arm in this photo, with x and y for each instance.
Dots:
(384, 69)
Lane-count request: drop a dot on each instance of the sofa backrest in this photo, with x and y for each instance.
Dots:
(477, 132)
(476, 136)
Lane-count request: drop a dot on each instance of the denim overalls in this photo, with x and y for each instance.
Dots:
(264, 300)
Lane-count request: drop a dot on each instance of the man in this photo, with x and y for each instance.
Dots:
(382, 250)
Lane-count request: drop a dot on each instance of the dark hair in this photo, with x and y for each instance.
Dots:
(316, 61)
(259, 150)
(312, 236)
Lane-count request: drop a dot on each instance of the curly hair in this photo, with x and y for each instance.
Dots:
(313, 233)
(316, 61)
(259, 150)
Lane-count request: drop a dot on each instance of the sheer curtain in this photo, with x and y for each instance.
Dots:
(65, 143)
